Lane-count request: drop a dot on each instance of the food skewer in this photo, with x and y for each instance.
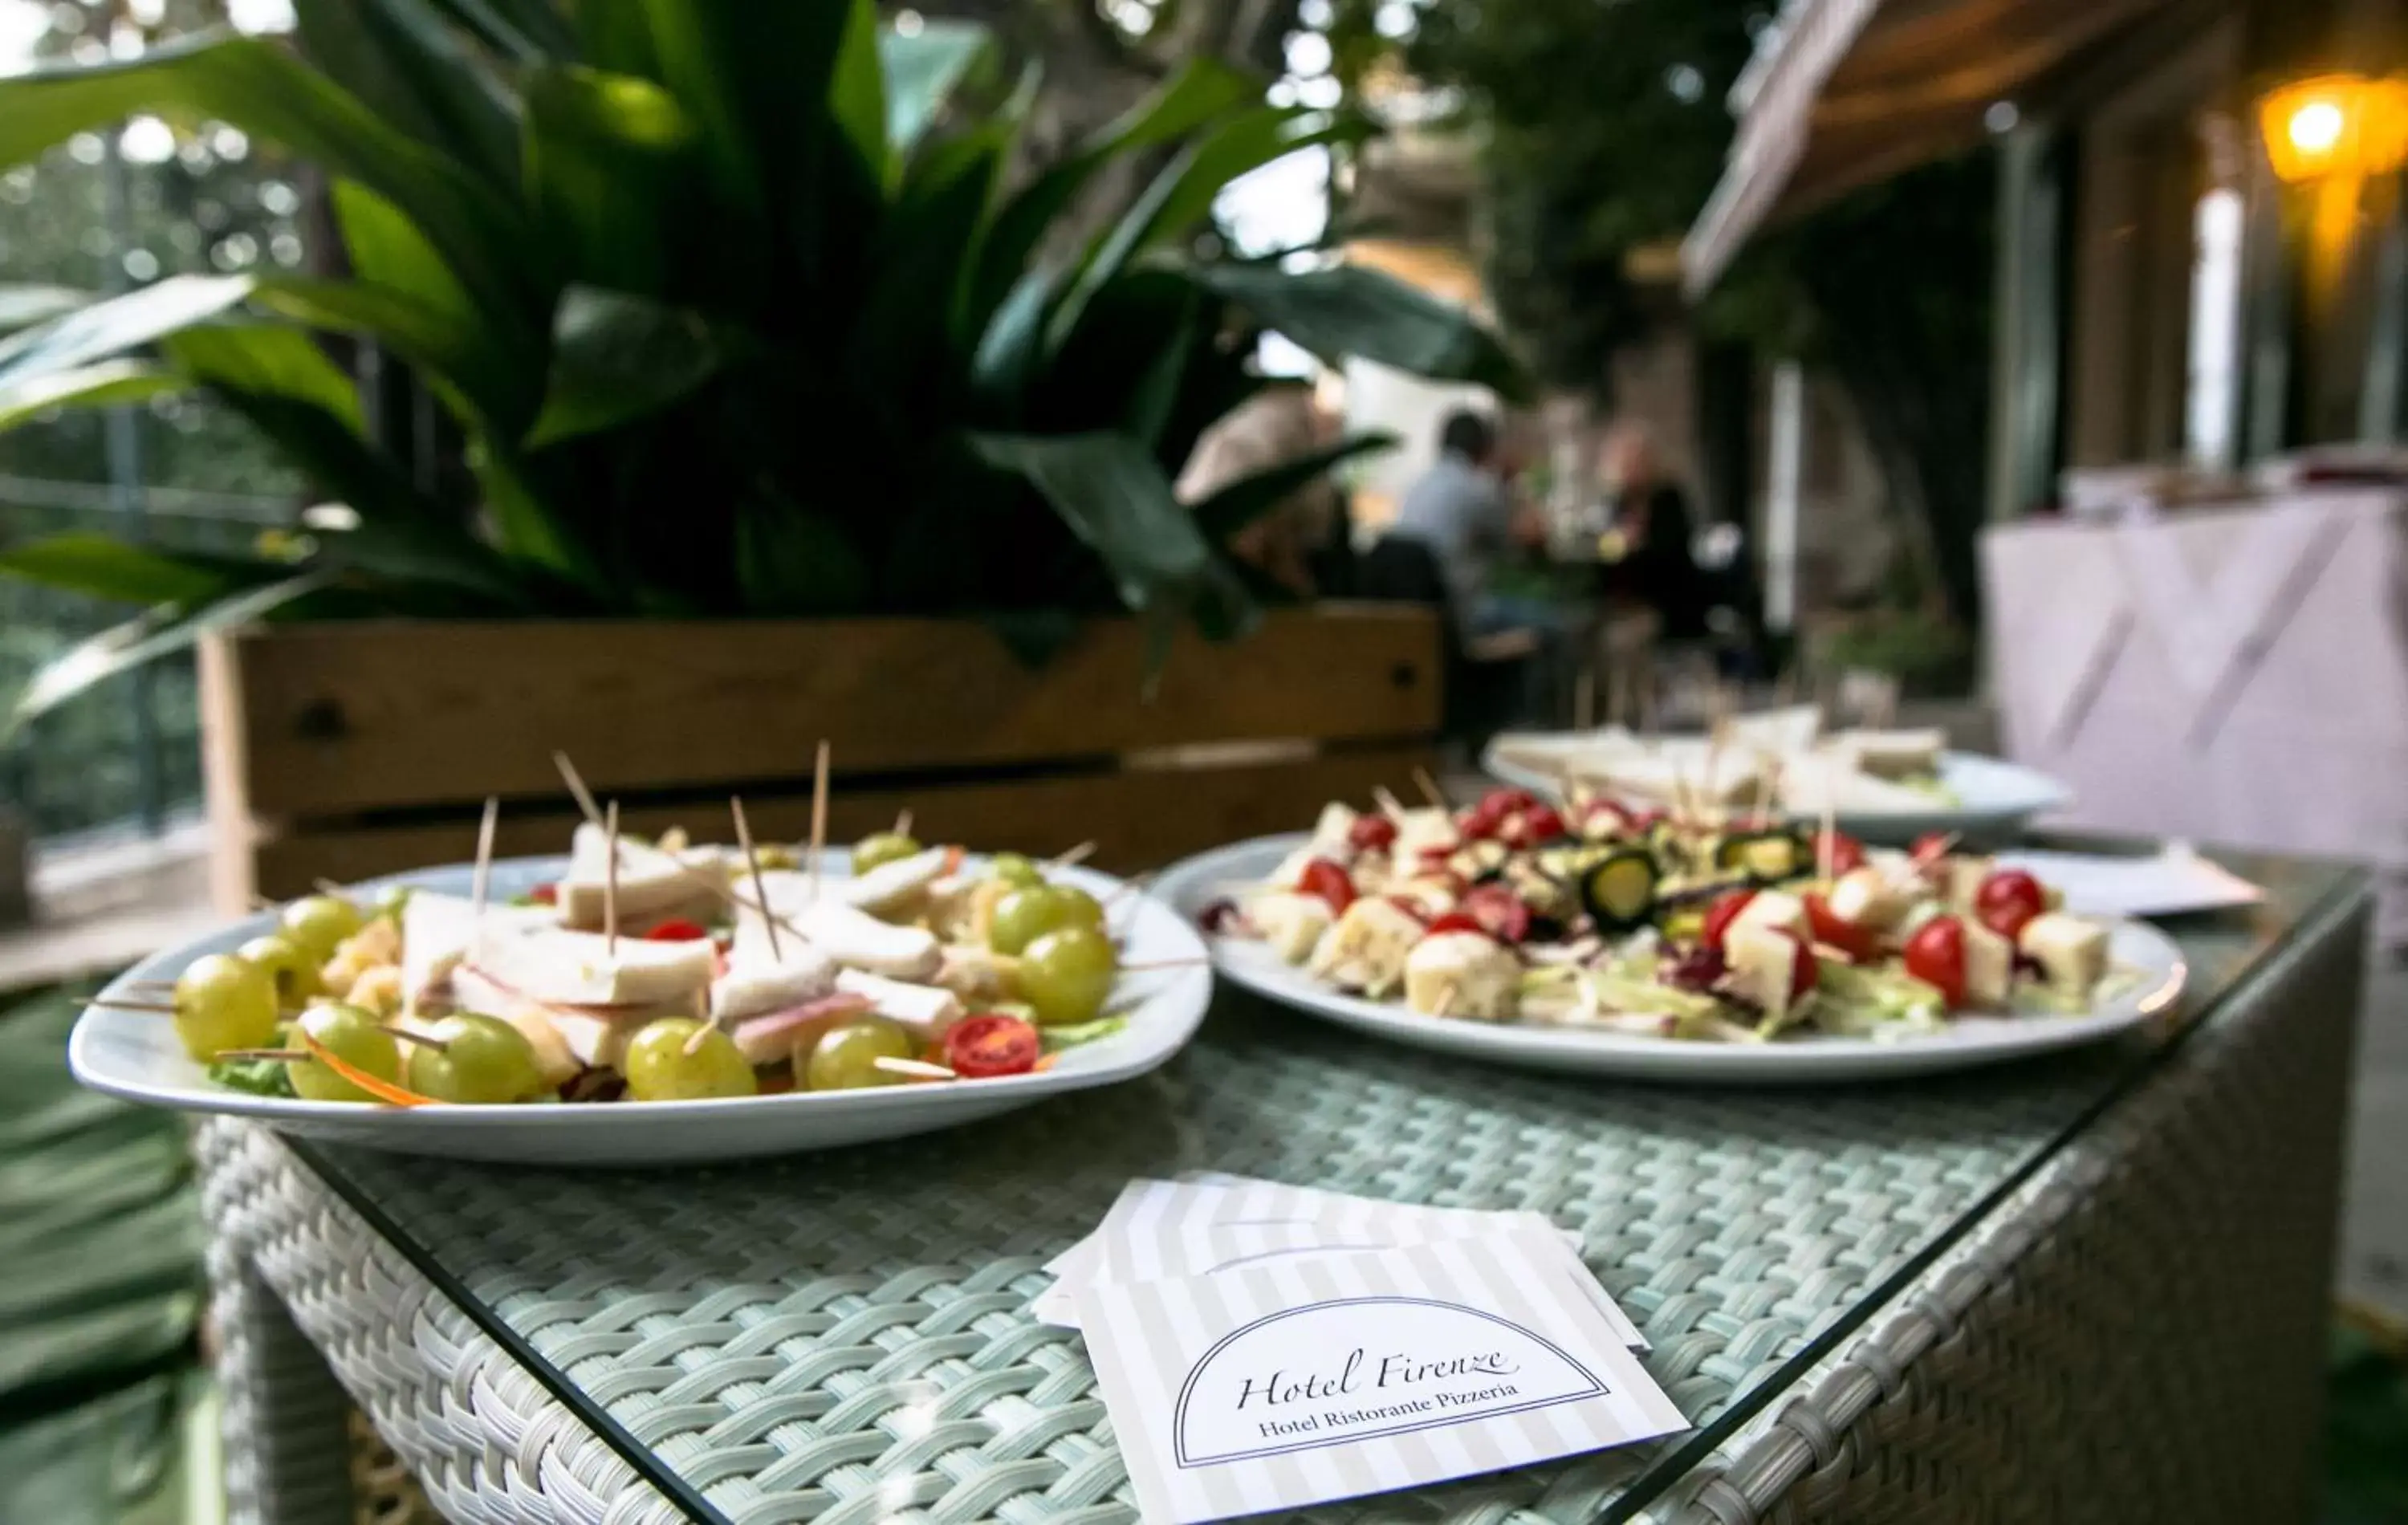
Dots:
(1428, 787)
(592, 813)
(586, 804)
(162, 1008)
(1075, 857)
(819, 815)
(914, 1069)
(1827, 840)
(903, 822)
(611, 883)
(480, 881)
(753, 866)
(1390, 806)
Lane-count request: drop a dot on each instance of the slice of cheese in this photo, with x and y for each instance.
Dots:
(1763, 966)
(1290, 924)
(926, 1011)
(1990, 966)
(1366, 948)
(857, 939)
(654, 884)
(755, 981)
(1462, 975)
(437, 930)
(1771, 910)
(1866, 896)
(2071, 951)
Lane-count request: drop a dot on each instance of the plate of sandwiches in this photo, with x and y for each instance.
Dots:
(656, 1002)
(1884, 785)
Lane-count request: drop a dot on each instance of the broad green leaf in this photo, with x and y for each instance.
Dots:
(97, 385)
(528, 525)
(857, 87)
(905, 349)
(107, 568)
(522, 31)
(616, 357)
(258, 86)
(108, 329)
(146, 638)
(439, 348)
(607, 156)
(922, 70)
(405, 62)
(1150, 404)
(403, 294)
(385, 248)
(1349, 310)
(755, 78)
(1112, 494)
(793, 561)
(269, 361)
(1201, 91)
(1182, 195)
(615, 35)
(1008, 351)
(1235, 504)
(21, 305)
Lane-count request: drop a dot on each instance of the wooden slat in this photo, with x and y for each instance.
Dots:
(1139, 820)
(340, 718)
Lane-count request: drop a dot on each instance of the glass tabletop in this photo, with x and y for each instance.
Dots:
(779, 1339)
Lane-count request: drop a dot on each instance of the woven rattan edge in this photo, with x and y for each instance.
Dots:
(1819, 1429)
(485, 1439)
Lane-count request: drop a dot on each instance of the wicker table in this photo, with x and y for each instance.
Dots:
(2089, 1287)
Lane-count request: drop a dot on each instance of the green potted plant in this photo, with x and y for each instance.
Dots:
(735, 313)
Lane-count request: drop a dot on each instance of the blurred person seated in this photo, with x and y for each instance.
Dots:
(1646, 557)
(1463, 511)
(1299, 545)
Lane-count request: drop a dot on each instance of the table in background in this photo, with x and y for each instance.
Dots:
(2087, 1287)
(2234, 674)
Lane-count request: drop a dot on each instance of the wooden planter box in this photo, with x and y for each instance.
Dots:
(342, 751)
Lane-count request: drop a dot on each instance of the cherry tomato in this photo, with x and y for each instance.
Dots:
(1541, 826)
(1845, 852)
(1499, 912)
(989, 1044)
(1479, 823)
(678, 929)
(1370, 832)
(1456, 921)
(2008, 898)
(1719, 916)
(1936, 956)
(1802, 972)
(545, 894)
(1504, 802)
(1331, 883)
(1858, 943)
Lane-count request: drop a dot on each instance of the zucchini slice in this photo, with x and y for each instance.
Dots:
(1767, 857)
(1618, 890)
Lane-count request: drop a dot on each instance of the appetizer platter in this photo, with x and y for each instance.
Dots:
(1885, 785)
(657, 1001)
(1694, 945)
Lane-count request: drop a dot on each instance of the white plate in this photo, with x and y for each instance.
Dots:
(1996, 798)
(1968, 1041)
(136, 1055)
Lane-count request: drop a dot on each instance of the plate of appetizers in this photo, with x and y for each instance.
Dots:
(1627, 941)
(656, 1002)
(1882, 786)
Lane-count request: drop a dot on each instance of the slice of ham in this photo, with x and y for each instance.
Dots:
(773, 1037)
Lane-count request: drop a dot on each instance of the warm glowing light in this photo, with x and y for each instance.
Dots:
(2336, 124)
(2316, 127)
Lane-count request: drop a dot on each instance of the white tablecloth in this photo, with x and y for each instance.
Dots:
(2231, 675)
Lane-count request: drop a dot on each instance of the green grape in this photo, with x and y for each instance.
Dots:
(846, 1056)
(884, 847)
(659, 1069)
(296, 972)
(1025, 915)
(1017, 869)
(482, 1059)
(223, 1002)
(1067, 975)
(317, 925)
(353, 1036)
(1080, 908)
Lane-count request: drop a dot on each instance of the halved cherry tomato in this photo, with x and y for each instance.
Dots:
(991, 1043)
(1719, 916)
(1456, 921)
(545, 894)
(1936, 956)
(1541, 827)
(1858, 943)
(678, 929)
(1507, 801)
(2008, 898)
(1802, 972)
(1500, 913)
(1845, 852)
(1331, 883)
(1369, 832)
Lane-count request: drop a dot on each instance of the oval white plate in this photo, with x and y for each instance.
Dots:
(1967, 1041)
(136, 1055)
(1996, 798)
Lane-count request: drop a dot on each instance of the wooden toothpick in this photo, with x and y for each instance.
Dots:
(914, 1069)
(1075, 857)
(819, 813)
(1390, 806)
(1428, 786)
(610, 881)
(760, 886)
(903, 822)
(163, 1008)
(440, 1046)
(1826, 840)
(484, 876)
(586, 804)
